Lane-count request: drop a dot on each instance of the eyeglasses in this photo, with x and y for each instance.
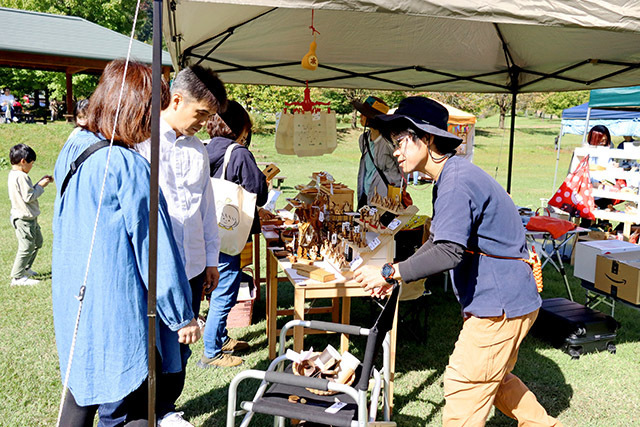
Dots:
(398, 138)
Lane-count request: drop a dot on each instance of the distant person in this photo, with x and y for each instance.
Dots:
(24, 212)
(6, 104)
(599, 136)
(109, 369)
(225, 129)
(378, 168)
(53, 108)
(628, 139)
(80, 115)
(196, 94)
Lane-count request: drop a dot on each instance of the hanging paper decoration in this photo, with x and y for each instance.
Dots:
(575, 195)
(306, 130)
(310, 60)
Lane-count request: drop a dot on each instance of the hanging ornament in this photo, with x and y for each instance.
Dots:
(310, 60)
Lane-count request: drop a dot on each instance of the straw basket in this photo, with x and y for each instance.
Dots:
(299, 370)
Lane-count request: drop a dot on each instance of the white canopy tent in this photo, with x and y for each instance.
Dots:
(460, 45)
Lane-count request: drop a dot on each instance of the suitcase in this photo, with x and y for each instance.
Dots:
(575, 328)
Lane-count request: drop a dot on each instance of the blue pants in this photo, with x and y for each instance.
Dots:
(223, 298)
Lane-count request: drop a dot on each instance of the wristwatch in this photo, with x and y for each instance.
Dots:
(387, 272)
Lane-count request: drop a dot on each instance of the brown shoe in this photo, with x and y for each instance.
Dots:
(232, 345)
(220, 361)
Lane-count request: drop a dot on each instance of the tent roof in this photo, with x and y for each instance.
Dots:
(461, 45)
(458, 116)
(63, 43)
(579, 112)
(623, 97)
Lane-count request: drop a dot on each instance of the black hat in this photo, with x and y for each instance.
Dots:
(371, 107)
(423, 115)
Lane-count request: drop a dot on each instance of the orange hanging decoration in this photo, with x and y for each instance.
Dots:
(310, 60)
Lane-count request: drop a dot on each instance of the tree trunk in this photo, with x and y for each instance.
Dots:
(354, 119)
(503, 115)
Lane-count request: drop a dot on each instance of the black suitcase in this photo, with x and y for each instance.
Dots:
(575, 328)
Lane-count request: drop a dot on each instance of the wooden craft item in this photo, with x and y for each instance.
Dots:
(313, 272)
(271, 171)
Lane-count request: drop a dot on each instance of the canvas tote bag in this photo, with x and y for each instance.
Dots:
(235, 209)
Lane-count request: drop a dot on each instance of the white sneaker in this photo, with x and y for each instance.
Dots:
(174, 419)
(24, 281)
(30, 272)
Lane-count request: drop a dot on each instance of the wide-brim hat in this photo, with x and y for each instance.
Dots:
(421, 114)
(371, 106)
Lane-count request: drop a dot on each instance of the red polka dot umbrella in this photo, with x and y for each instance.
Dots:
(575, 195)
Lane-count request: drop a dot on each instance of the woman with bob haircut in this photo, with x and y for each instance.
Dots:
(108, 373)
(231, 127)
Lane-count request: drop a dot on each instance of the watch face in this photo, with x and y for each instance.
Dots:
(387, 270)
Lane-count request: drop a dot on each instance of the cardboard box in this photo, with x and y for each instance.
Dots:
(586, 253)
(619, 275)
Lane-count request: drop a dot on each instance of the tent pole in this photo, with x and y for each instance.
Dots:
(555, 175)
(511, 138)
(586, 126)
(156, 67)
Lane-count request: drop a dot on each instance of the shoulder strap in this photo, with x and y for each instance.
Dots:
(368, 148)
(73, 167)
(227, 157)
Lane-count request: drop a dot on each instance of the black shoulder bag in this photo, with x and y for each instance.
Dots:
(73, 167)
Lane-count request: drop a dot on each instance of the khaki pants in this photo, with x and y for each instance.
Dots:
(479, 376)
(29, 241)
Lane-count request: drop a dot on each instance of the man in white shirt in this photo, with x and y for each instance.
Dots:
(196, 94)
(6, 104)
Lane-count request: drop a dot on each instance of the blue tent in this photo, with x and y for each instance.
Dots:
(619, 123)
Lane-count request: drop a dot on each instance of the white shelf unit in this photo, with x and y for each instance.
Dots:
(605, 158)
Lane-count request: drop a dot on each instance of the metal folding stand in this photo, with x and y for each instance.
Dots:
(549, 250)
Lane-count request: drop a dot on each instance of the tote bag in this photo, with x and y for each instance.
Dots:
(235, 209)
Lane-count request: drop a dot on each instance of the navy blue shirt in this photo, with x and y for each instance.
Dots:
(473, 210)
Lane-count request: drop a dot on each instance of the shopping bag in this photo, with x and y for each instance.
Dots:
(284, 134)
(235, 209)
(575, 195)
(314, 133)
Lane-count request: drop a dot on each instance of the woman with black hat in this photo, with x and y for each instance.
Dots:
(378, 167)
(477, 233)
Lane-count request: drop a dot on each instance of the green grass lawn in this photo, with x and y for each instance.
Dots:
(597, 390)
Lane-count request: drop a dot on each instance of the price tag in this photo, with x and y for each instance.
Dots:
(374, 243)
(331, 189)
(356, 229)
(346, 226)
(334, 239)
(333, 409)
(315, 116)
(355, 263)
(373, 211)
(394, 224)
(321, 216)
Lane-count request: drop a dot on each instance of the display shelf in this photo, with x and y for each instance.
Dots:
(607, 157)
(616, 195)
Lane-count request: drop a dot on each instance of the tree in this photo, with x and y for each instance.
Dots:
(503, 101)
(558, 101)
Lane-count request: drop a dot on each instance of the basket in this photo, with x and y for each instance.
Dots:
(240, 314)
(298, 370)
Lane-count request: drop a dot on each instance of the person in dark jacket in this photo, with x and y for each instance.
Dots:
(232, 126)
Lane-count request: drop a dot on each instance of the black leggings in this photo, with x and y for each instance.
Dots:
(130, 411)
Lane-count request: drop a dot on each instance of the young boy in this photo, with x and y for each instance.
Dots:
(196, 94)
(24, 212)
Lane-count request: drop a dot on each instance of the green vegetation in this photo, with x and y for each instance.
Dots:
(597, 390)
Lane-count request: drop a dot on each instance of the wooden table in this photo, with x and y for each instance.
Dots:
(304, 289)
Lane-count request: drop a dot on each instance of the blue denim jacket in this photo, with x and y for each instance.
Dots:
(110, 358)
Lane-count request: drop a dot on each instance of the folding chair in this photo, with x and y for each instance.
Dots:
(272, 396)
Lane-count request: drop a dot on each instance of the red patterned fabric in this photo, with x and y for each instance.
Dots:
(575, 195)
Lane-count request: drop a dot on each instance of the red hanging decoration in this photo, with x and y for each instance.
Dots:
(575, 195)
